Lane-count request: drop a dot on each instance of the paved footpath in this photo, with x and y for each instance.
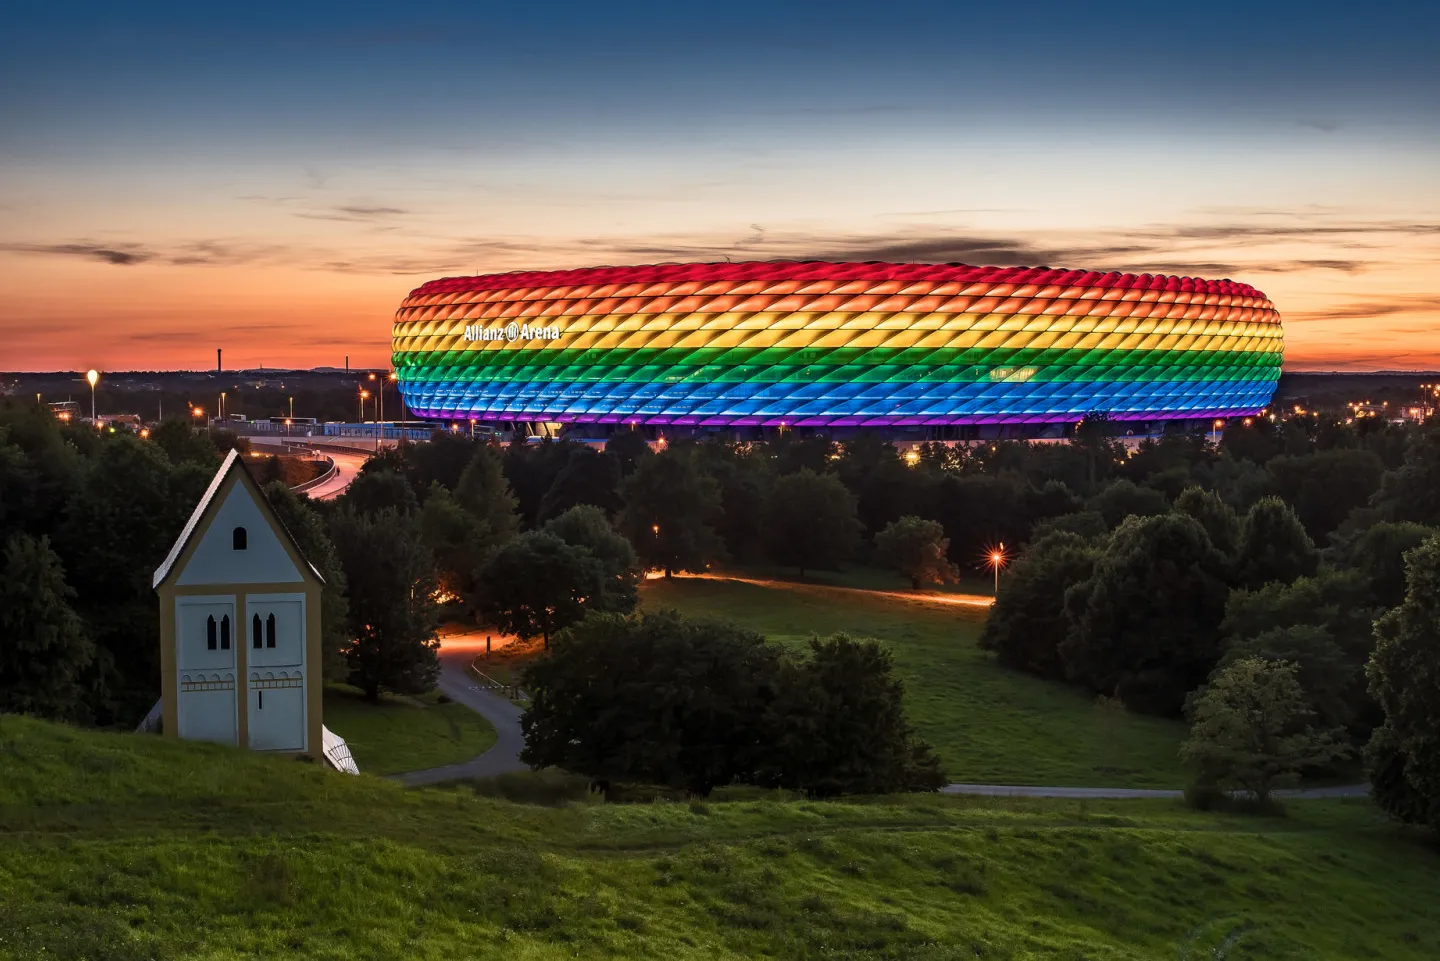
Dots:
(1120, 793)
(458, 684)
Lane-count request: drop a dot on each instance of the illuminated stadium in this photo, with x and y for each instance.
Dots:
(835, 345)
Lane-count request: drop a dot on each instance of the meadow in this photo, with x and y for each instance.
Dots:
(988, 724)
(124, 846)
(405, 733)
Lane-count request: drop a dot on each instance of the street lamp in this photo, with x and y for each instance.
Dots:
(1215, 434)
(93, 376)
(996, 559)
(364, 396)
(292, 408)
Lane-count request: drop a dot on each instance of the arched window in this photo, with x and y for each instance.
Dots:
(270, 631)
(225, 633)
(210, 632)
(255, 631)
(238, 539)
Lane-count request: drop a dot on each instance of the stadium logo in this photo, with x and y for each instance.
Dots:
(511, 332)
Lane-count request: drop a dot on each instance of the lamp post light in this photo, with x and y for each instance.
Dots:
(997, 560)
(360, 418)
(1215, 434)
(292, 408)
(93, 376)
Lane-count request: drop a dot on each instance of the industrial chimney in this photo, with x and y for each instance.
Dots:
(219, 367)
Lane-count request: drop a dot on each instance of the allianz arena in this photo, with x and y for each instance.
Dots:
(834, 345)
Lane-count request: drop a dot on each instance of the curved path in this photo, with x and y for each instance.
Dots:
(456, 653)
(1120, 793)
(347, 467)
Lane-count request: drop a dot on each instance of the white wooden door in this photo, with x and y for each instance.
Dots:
(275, 654)
(206, 637)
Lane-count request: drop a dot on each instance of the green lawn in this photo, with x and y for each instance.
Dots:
(123, 846)
(988, 724)
(401, 734)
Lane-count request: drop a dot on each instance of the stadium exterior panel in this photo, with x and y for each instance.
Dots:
(818, 344)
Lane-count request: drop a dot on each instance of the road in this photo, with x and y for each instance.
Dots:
(457, 650)
(347, 466)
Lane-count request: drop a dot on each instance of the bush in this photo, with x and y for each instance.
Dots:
(697, 705)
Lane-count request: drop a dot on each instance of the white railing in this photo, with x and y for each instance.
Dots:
(337, 752)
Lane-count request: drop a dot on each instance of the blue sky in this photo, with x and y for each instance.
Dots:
(298, 169)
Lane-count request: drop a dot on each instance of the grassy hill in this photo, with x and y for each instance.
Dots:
(127, 847)
(988, 724)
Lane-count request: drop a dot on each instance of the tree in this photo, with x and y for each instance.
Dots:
(1273, 545)
(485, 494)
(1404, 673)
(459, 540)
(1123, 499)
(670, 509)
(656, 698)
(183, 444)
(1247, 732)
(1217, 517)
(810, 521)
(1379, 555)
(308, 530)
(1088, 525)
(588, 477)
(536, 584)
(1412, 492)
(44, 649)
(837, 725)
(379, 489)
(628, 448)
(1028, 623)
(916, 548)
(586, 526)
(1324, 487)
(1324, 625)
(1094, 437)
(393, 616)
(1145, 625)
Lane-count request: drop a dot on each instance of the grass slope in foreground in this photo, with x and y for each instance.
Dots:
(128, 846)
(989, 725)
(405, 734)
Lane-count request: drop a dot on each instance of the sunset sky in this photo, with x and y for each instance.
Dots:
(273, 179)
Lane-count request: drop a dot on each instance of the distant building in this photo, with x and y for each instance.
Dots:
(240, 625)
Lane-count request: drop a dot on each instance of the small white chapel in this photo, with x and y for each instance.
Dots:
(240, 625)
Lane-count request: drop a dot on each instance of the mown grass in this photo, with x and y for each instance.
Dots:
(988, 724)
(126, 847)
(405, 734)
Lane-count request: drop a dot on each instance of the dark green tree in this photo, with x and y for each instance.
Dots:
(379, 489)
(655, 698)
(588, 477)
(1094, 438)
(1217, 517)
(1412, 492)
(459, 540)
(536, 585)
(628, 448)
(917, 549)
(810, 521)
(183, 444)
(393, 615)
(1145, 625)
(1248, 730)
(44, 649)
(1404, 674)
(587, 526)
(1028, 623)
(670, 510)
(1378, 555)
(1122, 499)
(837, 725)
(1324, 487)
(485, 494)
(1273, 545)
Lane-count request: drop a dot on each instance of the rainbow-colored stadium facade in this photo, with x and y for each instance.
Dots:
(818, 344)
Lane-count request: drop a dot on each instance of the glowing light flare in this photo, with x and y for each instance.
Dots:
(92, 377)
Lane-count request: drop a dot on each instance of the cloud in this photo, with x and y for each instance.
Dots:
(123, 255)
(194, 253)
(1357, 310)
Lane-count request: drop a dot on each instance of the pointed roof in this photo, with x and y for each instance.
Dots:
(233, 463)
